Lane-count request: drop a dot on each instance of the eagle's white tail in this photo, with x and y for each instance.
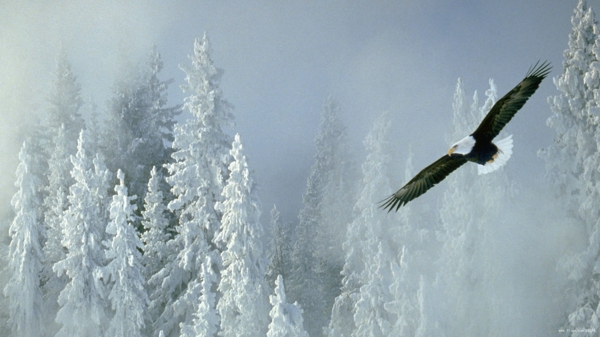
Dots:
(504, 152)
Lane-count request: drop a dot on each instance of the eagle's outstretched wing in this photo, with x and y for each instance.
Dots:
(504, 110)
(423, 181)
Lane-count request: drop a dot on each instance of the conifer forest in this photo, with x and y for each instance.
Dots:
(143, 196)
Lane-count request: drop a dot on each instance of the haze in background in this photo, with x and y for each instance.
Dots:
(282, 59)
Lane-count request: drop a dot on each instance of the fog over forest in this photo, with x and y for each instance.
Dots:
(215, 169)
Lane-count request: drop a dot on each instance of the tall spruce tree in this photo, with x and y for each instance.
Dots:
(155, 239)
(156, 223)
(572, 163)
(139, 127)
(82, 302)
(371, 317)
(196, 176)
(412, 246)
(280, 247)
(286, 318)
(574, 128)
(123, 272)
(243, 304)
(315, 278)
(65, 100)
(206, 320)
(25, 252)
(63, 126)
(363, 237)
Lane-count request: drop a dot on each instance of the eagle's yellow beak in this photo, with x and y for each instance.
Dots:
(450, 151)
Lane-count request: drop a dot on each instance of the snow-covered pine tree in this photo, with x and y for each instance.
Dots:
(158, 249)
(65, 100)
(206, 321)
(59, 181)
(123, 273)
(404, 301)
(116, 135)
(286, 318)
(201, 143)
(61, 129)
(197, 177)
(363, 237)
(315, 278)
(94, 125)
(572, 163)
(25, 253)
(280, 247)
(574, 129)
(243, 304)
(140, 126)
(55, 204)
(336, 213)
(371, 317)
(411, 258)
(63, 126)
(155, 223)
(82, 302)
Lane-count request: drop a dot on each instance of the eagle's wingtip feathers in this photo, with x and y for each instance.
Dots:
(539, 70)
(390, 203)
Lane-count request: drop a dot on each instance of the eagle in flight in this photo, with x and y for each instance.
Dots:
(478, 146)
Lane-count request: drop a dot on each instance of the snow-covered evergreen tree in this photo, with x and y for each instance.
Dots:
(315, 278)
(56, 203)
(156, 239)
(25, 255)
(371, 317)
(82, 301)
(574, 128)
(197, 177)
(65, 100)
(404, 301)
(94, 125)
(206, 320)
(200, 144)
(59, 181)
(64, 122)
(63, 113)
(155, 223)
(286, 318)
(243, 304)
(140, 126)
(336, 213)
(572, 163)
(63, 127)
(412, 253)
(280, 247)
(362, 242)
(123, 273)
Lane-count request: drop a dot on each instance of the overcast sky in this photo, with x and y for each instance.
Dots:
(283, 58)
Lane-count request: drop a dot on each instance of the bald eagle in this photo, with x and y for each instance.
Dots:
(478, 146)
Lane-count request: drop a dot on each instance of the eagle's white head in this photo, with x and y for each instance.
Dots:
(463, 146)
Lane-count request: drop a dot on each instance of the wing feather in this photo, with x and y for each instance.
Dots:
(505, 109)
(422, 182)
